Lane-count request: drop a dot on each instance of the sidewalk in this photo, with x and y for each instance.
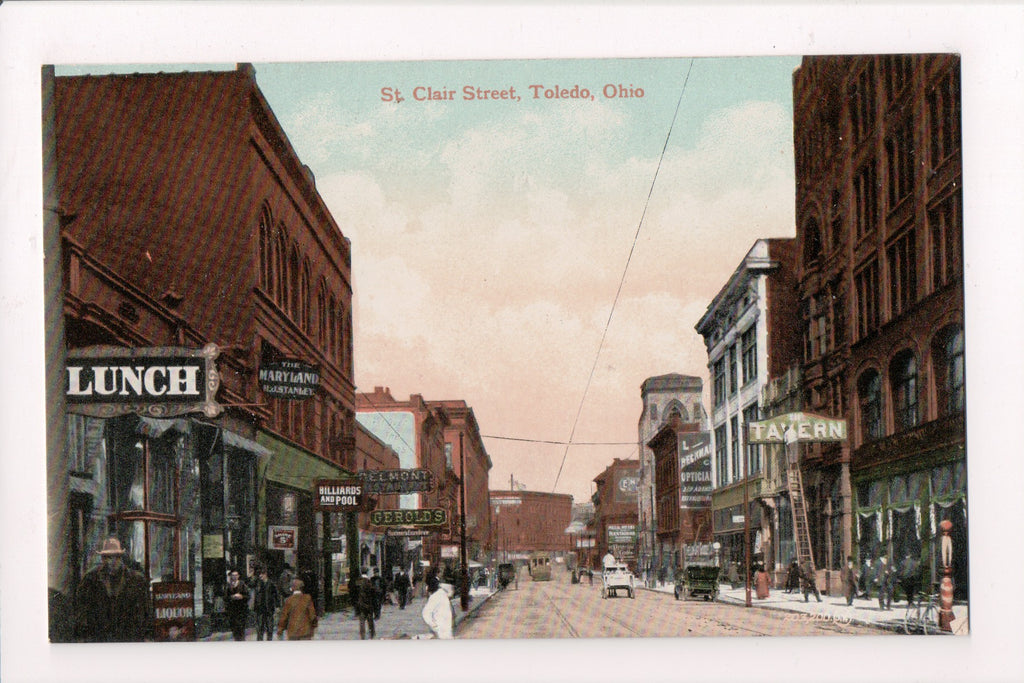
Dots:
(394, 623)
(834, 608)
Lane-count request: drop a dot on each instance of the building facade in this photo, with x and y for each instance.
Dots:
(416, 431)
(661, 397)
(463, 445)
(748, 332)
(880, 233)
(615, 511)
(523, 522)
(188, 228)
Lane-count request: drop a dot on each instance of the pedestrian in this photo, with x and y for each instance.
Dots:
(850, 580)
(662, 575)
(884, 583)
(284, 581)
(236, 605)
(402, 588)
(867, 574)
(438, 612)
(590, 575)
(910, 578)
(378, 592)
(762, 582)
(265, 602)
(364, 605)
(298, 616)
(112, 601)
(808, 580)
(793, 578)
(733, 576)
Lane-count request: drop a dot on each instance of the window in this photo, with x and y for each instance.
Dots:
(904, 390)
(899, 153)
(948, 368)
(836, 226)
(866, 287)
(750, 414)
(654, 413)
(862, 105)
(865, 199)
(902, 274)
(280, 269)
(266, 250)
(817, 339)
(748, 343)
(734, 445)
(869, 397)
(945, 230)
(944, 117)
(733, 370)
(721, 462)
(321, 311)
(719, 368)
(812, 244)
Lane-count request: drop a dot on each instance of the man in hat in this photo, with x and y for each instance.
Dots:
(112, 602)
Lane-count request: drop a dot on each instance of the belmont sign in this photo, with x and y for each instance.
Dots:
(805, 427)
(289, 379)
(396, 481)
(104, 381)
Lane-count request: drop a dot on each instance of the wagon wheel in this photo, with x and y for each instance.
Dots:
(632, 594)
(604, 592)
(676, 591)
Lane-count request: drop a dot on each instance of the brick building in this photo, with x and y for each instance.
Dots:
(615, 511)
(880, 229)
(526, 521)
(181, 228)
(661, 396)
(462, 443)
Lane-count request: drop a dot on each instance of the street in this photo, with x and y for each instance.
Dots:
(560, 609)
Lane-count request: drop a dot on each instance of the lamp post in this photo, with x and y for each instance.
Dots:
(464, 574)
(746, 535)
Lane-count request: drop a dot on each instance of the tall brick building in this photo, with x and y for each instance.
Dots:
(615, 511)
(526, 521)
(880, 233)
(183, 226)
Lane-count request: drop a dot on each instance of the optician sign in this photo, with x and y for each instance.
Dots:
(105, 381)
(805, 427)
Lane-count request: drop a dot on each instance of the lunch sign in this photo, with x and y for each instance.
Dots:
(106, 381)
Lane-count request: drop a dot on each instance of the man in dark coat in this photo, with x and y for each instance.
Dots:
(265, 601)
(402, 585)
(364, 604)
(377, 584)
(850, 580)
(236, 605)
(112, 602)
(910, 578)
(884, 582)
(808, 579)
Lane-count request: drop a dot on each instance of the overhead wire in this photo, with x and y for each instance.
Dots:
(622, 280)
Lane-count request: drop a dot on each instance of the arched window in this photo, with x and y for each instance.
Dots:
(294, 275)
(304, 299)
(948, 370)
(903, 380)
(332, 329)
(869, 400)
(266, 250)
(281, 276)
(812, 243)
(321, 314)
(654, 413)
(346, 348)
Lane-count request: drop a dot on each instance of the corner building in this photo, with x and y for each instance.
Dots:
(185, 226)
(880, 233)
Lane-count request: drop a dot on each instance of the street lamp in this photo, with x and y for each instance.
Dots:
(464, 574)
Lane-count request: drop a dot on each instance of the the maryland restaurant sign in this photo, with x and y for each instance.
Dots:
(104, 381)
(294, 379)
(805, 427)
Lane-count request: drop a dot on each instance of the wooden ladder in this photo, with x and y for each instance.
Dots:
(801, 533)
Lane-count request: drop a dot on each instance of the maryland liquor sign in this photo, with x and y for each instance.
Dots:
(293, 379)
(105, 381)
(806, 427)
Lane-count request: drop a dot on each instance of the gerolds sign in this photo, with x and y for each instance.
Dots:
(289, 379)
(104, 381)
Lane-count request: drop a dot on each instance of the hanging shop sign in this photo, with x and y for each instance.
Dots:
(806, 427)
(449, 551)
(421, 517)
(397, 481)
(106, 381)
(621, 533)
(281, 537)
(174, 611)
(695, 470)
(394, 532)
(289, 378)
(506, 501)
(337, 495)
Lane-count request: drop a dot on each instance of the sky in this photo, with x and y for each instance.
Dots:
(490, 238)
(539, 254)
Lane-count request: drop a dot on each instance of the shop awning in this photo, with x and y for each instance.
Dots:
(294, 467)
(154, 427)
(242, 443)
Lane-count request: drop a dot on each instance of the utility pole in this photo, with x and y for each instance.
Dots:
(465, 564)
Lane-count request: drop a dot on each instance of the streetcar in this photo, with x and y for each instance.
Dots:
(540, 566)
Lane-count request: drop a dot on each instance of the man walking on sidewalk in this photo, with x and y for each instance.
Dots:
(850, 580)
(365, 605)
(809, 581)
